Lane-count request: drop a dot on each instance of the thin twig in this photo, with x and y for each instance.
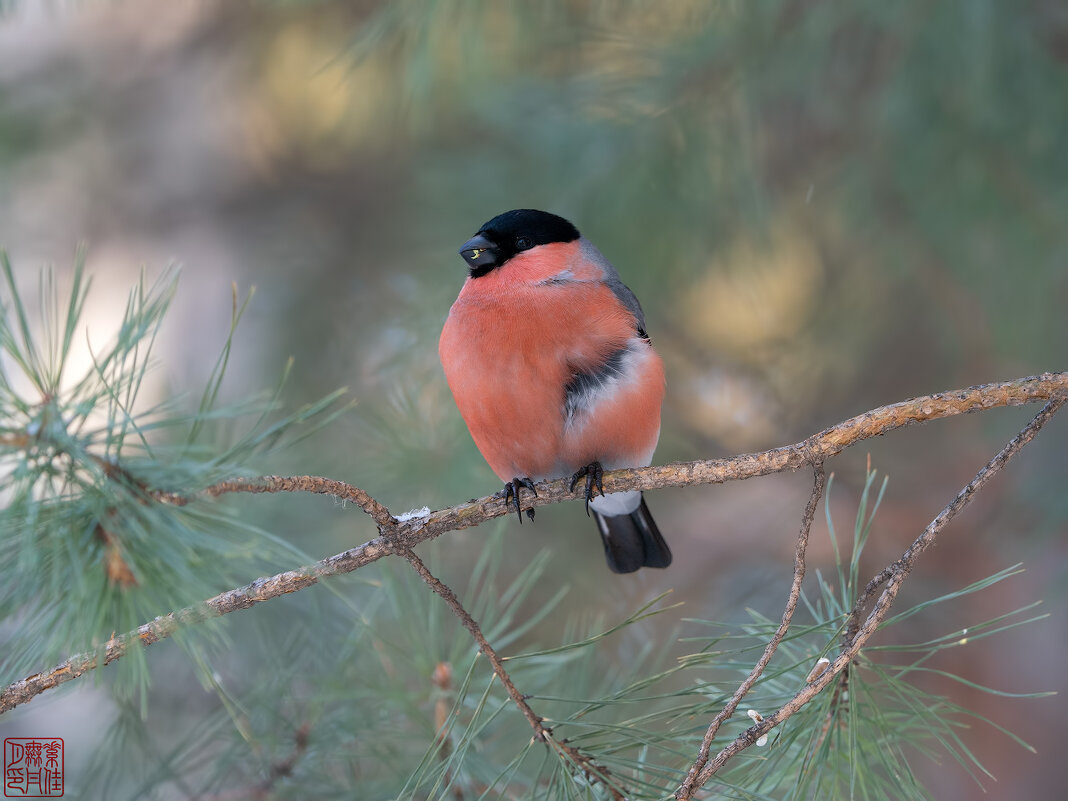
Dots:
(819, 484)
(416, 529)
(899, 570)
(317, 484)
(542, 733)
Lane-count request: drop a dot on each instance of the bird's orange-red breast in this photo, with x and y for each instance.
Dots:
(546, 354)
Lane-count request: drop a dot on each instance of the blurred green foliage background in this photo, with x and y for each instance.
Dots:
(824, 207)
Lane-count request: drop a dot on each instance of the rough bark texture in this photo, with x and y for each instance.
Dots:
(401, 535)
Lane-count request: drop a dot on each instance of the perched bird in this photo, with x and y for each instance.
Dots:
(546, 354)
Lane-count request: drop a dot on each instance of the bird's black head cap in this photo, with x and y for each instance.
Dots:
(513, 232)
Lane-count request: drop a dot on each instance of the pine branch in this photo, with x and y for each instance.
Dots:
(729, 708)
(895, 574)
(400, 534)
(542, 733)
(322, 486)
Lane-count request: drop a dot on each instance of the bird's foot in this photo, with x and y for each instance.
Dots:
(593, 472)
(511, 493)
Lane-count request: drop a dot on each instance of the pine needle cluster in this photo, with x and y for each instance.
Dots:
(88, 547)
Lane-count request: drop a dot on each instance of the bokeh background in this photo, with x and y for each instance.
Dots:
(823, 207)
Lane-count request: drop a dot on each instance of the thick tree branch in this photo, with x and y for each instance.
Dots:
(816, 448)
(407, 533)
(898, 571)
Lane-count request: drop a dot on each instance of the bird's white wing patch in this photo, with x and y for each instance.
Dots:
(587, 389)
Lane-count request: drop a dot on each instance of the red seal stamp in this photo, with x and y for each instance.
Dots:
(33, 767)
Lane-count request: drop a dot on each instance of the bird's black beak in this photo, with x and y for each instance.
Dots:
(480, 254)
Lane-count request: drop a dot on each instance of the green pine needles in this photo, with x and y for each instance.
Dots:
(403, 707)
(860, 738)
(641, 719)
(375, 688)
(87, 547)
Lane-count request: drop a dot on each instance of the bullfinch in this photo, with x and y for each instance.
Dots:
(546, 354)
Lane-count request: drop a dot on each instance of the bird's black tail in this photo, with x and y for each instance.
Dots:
(632, 540)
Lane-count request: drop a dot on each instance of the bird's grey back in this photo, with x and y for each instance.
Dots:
(614, 282)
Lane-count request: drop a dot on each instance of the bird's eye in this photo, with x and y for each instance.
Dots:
(523, 243)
